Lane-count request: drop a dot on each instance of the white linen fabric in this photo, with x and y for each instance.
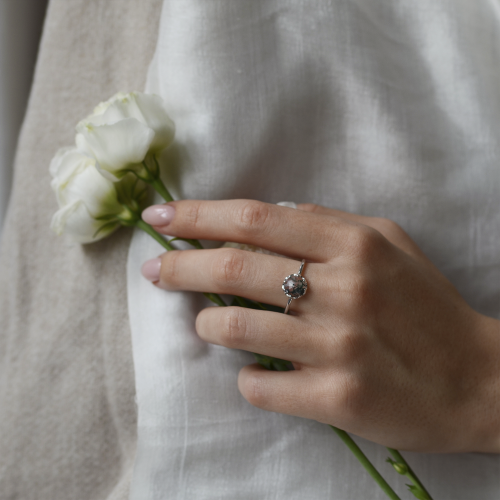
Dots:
(381, 108)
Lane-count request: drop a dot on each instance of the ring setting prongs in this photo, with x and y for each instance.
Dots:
(294, 286)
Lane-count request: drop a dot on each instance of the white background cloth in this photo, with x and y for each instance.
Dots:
(20, 27)
(381, 108)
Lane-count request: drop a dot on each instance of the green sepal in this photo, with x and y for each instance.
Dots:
(105, 226)
(129, 216)
(146, 174)
(107, 217)
(418, 492)
(399, 467)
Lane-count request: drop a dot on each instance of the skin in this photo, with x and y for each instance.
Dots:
(383, 345)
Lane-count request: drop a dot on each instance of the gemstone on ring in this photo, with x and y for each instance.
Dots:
(294, 286)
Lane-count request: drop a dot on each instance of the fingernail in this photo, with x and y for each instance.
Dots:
(158, 215)
(151, 269)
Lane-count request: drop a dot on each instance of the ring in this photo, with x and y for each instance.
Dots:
(294, 286)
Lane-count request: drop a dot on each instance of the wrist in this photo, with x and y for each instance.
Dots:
(484, 399)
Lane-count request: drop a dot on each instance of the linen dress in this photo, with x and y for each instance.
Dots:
(386, 108)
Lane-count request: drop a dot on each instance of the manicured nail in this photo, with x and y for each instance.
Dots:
(151, 269)
(158, 215)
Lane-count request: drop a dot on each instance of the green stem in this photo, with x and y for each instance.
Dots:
(148, 229)
(216, 299)
(349, 442)
(193, 243)
(410, 474)
(161, 189)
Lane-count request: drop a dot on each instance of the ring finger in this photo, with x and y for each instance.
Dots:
(236, 272)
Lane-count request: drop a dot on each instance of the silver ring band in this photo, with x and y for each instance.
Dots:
(294, 286)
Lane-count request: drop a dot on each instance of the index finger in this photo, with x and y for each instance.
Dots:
(283, 230)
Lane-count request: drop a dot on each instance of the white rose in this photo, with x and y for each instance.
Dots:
(83, 195)
(123, 130)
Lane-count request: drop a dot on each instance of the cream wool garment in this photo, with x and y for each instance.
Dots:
(381, 108)
(67, 409)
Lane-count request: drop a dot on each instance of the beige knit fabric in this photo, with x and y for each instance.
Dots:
(67, 410)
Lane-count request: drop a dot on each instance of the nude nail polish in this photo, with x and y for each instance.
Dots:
(158, 215)
(151, 269)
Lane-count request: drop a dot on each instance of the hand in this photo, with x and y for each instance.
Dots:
(382, 344)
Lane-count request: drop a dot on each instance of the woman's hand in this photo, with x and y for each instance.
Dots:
(382, 344)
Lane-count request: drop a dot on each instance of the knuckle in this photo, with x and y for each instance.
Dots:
(364, 242)
(352, 346)
(253, 216)
(359, 292)
(387, 226)
(229, 267)
(233, 327)
(310, 207)
(192, 214)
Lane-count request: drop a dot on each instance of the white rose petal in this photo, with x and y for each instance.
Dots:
(83, 195)
(118, 147)
(103, 106)
(56, 162)
(78, 225)
(75, 177)
(148, 109)
(153, 113)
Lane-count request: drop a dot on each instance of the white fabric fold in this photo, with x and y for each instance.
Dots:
(380, 108)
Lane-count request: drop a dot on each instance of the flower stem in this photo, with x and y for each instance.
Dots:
(215, 298)
(148, 229)
(349, 442)
(161, 189)
(424, 494)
